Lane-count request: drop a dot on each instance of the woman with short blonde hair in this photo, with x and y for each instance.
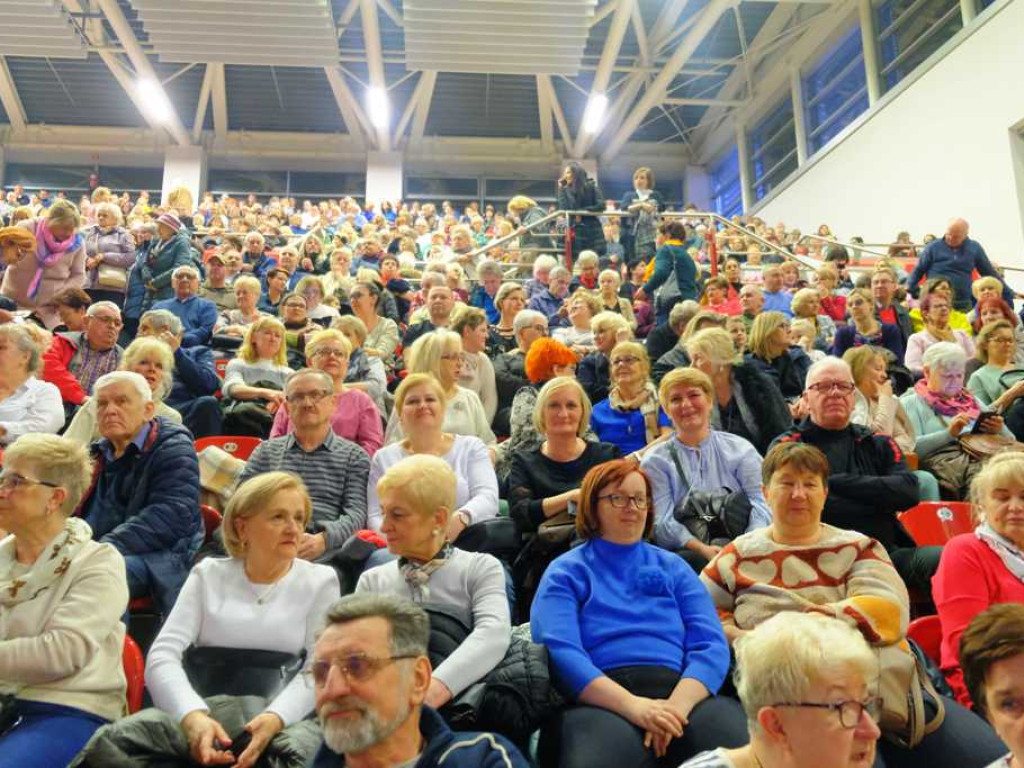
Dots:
(631, 416)
(264, 597)
(774, 355)
(254, 381)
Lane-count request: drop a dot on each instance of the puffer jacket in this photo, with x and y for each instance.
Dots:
(151, 738)
(163, 258)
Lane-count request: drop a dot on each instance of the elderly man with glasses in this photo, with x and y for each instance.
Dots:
(197, 315)
(869, 482)
(76, 360)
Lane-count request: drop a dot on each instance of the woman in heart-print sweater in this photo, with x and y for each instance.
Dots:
(800, 564)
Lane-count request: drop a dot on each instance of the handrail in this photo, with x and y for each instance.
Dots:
(848, 246)
(521, 231)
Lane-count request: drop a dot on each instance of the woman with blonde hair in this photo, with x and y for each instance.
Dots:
(439, 353)
(365, 371)
(262, 597)
(234, 322)
(526, 213)
(806, 305)
(631, 416)
(253, 386)
(609, 282)
(109, 254)
(476, 372)
(875, 405)
(775, 356)
(509, 301)
(583, 306)
(56, 263)
(312, 288)
(594, 372)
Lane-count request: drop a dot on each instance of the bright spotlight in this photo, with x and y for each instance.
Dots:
(378, 107)
(152, 98)
(593, 118)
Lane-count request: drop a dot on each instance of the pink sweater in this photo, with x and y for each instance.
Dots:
(355, 418)
(971, 577)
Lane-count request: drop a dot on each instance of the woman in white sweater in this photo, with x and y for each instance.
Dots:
(416, 498)
(420, 405)
(439, 353)
(62, 596)
(261, 598)
(475, 371)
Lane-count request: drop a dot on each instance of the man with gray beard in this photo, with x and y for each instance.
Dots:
(371, 673)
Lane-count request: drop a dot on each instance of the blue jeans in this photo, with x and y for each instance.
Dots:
(46, 735)
(157, 574)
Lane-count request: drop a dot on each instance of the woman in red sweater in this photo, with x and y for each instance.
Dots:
(982, 568)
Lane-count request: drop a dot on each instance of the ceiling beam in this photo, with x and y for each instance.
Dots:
(375, 63)
(219, 95)
(544, 82)
(11, 100)
(655, 92)
(419, 121)
(715, 102)
(143, 68)
(203, 105)
(603, 13)
(609, 55)
(547, 126)
(424, 86)
(349, 108)
(392, 13)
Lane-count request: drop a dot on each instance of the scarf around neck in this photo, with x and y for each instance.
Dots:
(646, 402)
(417, 575)
(49, 250)
(51, 565)
(1007, 551)
(948, 405)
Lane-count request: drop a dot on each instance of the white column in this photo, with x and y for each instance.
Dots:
(385, 179)
(796, 88)
(185, 166)
(3, 166)
(697, 187)
(869, 42)
(743, 155)
(968, 10)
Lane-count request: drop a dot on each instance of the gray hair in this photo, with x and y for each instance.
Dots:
(586, 257)
(93, 308)
(112, 210)
(309, 372)
(489, 267)
(255, 236)
(56, 460)
(432, 279)
(25, 343)
(186, 268)
(527, 317)
(943, 356)
(682, 313)
(125, 377)
(544, 261)
(145, 345)
(559, 271)
(409, 624)
(162, 320)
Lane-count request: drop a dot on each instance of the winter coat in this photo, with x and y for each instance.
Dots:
(769, 413)
(194, 376)
(788, 371)
(67, 272)
(116, 245)
(163, 258)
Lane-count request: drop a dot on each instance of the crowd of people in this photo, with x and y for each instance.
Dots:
(622, 479)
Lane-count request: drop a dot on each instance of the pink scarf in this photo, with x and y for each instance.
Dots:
(49, 251)
(948, 405)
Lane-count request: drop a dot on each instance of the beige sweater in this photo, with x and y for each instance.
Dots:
(64, 647)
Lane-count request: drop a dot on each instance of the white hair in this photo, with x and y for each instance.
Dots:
(91, 311)
(186, 268)
(829, 362)
(544, 261)
(126, 377)
(527, 317)
(943, 356)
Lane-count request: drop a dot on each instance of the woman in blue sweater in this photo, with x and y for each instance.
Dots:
(634, 640)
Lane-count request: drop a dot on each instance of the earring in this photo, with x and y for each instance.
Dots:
(437, 531)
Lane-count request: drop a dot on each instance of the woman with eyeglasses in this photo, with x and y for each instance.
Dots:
(297, 325)
(262, 597)
(633, 639)
(312, 288)
(999, 382)
(355, 416)
(27, 402)
(631, 416)
(800, 564)
(865, 328)
(365, 371)
(935, 309)
(62, 596)
(808, 687)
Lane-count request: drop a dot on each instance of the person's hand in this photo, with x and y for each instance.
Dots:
(92, 263)
(263, 728)
(656, 717)
(798, 408)
(246, 267)
(312, 545)
(6, 316)
(563, 311)
(170, 340)
(708, 551)
(1014, 392)
(885, 388)
(438, 694)
(733, 633)
(455, 527)
(202, 731)
(959, 423)
(150, 286)
(307, 264)
(574, 496)
(992, 425)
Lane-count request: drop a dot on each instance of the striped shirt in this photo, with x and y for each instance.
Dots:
(335, 474)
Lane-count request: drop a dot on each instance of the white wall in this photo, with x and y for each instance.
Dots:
(943, 147)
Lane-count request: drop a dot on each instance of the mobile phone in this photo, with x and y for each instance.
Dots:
(240, 743)
(982, 419)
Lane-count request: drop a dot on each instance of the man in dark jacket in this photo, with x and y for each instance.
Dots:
(371, 675)
(144, 498)
(869, 482)
(195, 378)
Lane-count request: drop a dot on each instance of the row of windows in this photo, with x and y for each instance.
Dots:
(835, 93)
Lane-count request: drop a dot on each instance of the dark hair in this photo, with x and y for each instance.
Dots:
(797, 455)
(673, 229)
(373, 289)
(579, 175)
(932, 283)
(992, 636)
(837, 253)
(294, 295)
(75, 298)
(587, 524)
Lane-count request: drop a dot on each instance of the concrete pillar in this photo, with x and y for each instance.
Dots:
(385, 178)
(743, 155)
(869, 42)
(697, 187)
(968, 10)
(184, 166)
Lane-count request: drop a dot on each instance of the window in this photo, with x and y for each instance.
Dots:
(75, 178)
(772, 149)
(835, 90)
(436, 189)
(909, 31)
(503, 190)
(727, 197)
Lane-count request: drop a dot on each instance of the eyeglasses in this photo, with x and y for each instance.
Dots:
(110, 322)
(850, 712)
(301, 397)
(626, 360)
(541, 329)
(357, 667)
(327, 352)
(828, 387)
(12, 481)
(295, 305)
(621, 501)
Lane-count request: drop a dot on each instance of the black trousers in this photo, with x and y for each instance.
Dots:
(582, 736)
(963, 740)
(917, 565)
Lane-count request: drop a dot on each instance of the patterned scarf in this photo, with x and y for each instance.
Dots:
(417, 575)
(948, 405)
(49, 250)
(646, 402)
(47, 569)
(1007, 551)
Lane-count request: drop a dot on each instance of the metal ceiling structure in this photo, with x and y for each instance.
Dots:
(501, 69)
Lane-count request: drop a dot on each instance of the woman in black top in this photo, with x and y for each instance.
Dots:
(578, 192)
(772, 354)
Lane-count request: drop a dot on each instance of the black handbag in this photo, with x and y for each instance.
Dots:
(213, 670)
(712, 517)
(8, 712)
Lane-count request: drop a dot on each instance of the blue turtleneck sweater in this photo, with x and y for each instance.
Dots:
(602, 606)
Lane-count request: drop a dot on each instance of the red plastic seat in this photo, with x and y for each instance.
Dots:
(211, 521)
(933, 523)
(134, 672)
(221, 366)
(927, 633)
(239, 446)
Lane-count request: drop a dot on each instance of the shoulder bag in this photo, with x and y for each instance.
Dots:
(911, 707)
(110, 277)
(712, 517)
(240, 672)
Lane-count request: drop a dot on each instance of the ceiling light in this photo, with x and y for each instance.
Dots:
(593, 117)
(378, 107)
(153, 100)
